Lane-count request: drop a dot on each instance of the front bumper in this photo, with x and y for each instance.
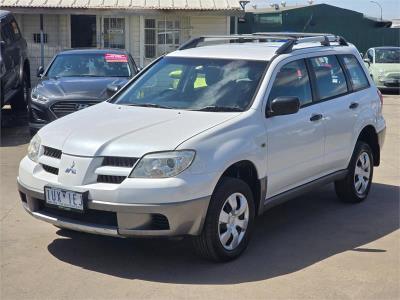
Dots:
(122, 220)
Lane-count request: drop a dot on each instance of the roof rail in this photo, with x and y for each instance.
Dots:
(237, 38)
(304, 37)
(291, 39)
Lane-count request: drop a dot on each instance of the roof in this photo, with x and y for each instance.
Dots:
(93, 50)
(127, 4)
(248, 51)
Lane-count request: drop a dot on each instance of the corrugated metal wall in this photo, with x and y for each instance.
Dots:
(363, 32)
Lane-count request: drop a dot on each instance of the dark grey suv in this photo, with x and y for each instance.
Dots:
(14, 64)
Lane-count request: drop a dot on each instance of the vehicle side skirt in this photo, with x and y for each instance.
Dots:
(285, 196)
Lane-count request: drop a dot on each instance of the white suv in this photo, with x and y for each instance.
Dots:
(207, 138)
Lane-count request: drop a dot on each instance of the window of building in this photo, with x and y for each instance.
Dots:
(114, 32)
(269, 19)
(357, 75)
(330, 77)
(162, 36)
(292, 80)
(36, 38)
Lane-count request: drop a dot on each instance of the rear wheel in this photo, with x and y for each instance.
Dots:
(229, 221)
(19, 102)
(355, 187)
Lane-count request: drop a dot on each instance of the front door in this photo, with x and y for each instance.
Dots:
(295, 143)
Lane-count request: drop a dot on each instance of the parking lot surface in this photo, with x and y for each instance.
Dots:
(311, 247)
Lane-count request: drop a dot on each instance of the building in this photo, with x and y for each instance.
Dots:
(146, 28)
(363, 31)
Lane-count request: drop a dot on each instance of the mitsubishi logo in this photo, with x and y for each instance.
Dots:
(71, 169)
(80, 106)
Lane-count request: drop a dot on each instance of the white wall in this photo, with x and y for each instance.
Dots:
(203, 25)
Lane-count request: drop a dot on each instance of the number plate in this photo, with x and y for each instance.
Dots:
(68, 200)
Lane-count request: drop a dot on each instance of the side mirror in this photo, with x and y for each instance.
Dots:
(40, 71)
(283, 106)
(367, 60)
(113, 88)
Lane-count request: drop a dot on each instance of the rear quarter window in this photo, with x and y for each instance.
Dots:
(356, 73)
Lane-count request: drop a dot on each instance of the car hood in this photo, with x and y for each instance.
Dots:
(388, 68)
(107, 129)
(82, 88)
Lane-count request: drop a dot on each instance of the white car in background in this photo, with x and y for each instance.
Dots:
(209, 137)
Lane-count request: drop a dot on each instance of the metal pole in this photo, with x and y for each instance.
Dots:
(41, 41)
(380, 6)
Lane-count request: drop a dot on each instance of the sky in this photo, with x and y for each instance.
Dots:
(390, 8)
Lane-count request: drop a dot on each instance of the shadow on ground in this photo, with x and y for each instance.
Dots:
(287, 238)
(14, 129)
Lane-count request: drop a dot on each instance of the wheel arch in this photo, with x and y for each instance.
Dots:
(369, 135)
(246, 170)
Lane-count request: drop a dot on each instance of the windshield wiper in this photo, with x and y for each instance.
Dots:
(217, 108)
(151, 105)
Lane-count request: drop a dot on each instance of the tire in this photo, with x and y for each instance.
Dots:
(356, 185)
(19, 102)
(209, 244)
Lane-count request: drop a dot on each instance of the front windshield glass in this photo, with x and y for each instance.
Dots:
(90, 65)
(387, 56)
(196, 84)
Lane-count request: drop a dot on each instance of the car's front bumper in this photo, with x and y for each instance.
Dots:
(123, 220)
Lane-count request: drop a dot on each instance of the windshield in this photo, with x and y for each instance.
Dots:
(91, 65)
(387, 56)
(196, 84)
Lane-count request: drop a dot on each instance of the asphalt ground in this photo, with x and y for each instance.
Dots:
(312, 247)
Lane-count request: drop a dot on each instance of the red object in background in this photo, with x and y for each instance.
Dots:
(109, 57)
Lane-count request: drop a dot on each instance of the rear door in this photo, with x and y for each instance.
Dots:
(295, 143)
(342, 99)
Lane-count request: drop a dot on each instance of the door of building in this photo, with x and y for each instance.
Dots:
(83, 31)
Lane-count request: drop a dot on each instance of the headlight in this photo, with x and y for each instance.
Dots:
(36, 97)
(163, 164)
(34, 147)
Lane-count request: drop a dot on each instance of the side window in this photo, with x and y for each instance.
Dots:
(15, 30)
(329, 75)
(292, 80)
(6, 34)
(357, 75)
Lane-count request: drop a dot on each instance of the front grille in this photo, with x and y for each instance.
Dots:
(48, 151)
(63, 108)
(50, 169)
(126, 162)
(110, 179)
(90, 216)
(159, 222)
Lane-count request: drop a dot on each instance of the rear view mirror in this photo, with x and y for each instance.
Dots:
(367, 60)
(175, 74)
(283, 106)
(40, 71)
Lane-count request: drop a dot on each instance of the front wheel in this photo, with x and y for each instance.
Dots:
(356, 185)
(229, 221)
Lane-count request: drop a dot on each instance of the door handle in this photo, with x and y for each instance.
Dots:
(353, 105)
(315, 117)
